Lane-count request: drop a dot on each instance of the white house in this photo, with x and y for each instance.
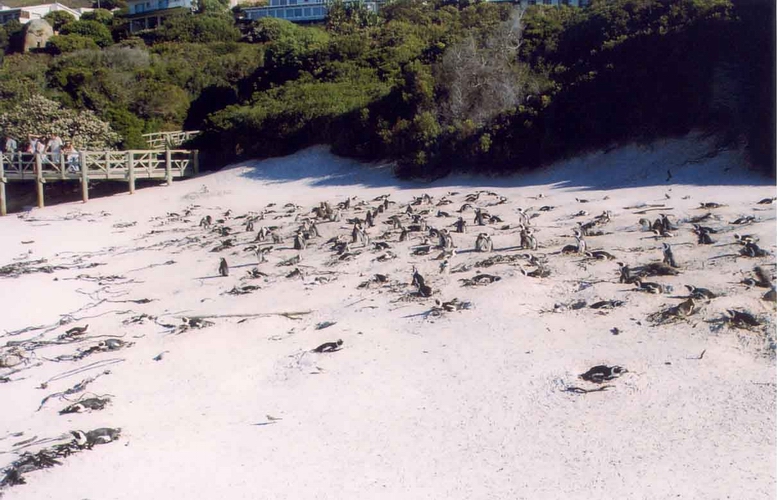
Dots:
(297, 11)
(27, 14)
(300, 11)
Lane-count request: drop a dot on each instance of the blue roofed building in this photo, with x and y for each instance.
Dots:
(148, 14)
(297, 11)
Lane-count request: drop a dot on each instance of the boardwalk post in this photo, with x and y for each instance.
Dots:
(131, 174)
(196, 161)
(3, 208)
(39, 179)
(62, 166)
(168, 166)
(84, 177)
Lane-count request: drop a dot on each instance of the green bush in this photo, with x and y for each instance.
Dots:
(92, 29)
(187, 28)
(62, 44)
(39, 115)
(59, 18)
(102, 16)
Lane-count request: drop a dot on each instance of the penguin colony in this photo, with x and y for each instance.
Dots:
(520, 245)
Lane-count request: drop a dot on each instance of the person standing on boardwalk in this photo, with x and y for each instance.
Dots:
(71, 157)
(10, 146)
(54, 147)
(32, 144)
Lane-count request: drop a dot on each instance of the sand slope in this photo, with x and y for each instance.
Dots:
(467, 405)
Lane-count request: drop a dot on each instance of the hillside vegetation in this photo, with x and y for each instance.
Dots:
(438, 86)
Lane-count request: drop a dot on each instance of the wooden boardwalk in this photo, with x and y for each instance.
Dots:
(159, 140)
(127, 166)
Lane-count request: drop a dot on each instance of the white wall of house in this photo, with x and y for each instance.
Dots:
(27, 14)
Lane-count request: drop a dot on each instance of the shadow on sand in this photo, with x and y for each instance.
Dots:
(691, 160)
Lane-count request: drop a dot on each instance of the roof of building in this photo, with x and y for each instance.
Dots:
(73, 4)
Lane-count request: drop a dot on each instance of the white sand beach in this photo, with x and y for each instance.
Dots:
(478, 403)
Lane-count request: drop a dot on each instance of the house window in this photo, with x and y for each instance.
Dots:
(308, 12)
(292, 2)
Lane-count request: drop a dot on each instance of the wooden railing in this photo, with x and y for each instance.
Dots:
(159, 140)
(90, 165)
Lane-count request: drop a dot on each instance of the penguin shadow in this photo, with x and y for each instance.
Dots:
(231, 267)
(423, 314)
(513, 248)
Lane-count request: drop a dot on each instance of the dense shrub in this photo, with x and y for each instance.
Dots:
(62, 44)
(92, 29)
(102, 16)
(204, 28)
(59, 18)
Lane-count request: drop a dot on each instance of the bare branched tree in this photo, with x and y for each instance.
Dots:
(484, 78)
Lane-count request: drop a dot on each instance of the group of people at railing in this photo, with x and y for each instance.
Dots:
(52, 150)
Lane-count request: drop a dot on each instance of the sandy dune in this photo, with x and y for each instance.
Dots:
(470, 404)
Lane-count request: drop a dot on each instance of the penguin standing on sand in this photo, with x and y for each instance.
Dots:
(223, 267)
(669, 256)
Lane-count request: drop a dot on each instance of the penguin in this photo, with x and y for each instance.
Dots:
(669, 256)
(700, 293)
(97, 436)
(647, 286)
(742, 319)
(329, 346)
(600, 373)
(461, 225)
(223, 267)
(299, 242)
(77, 330)
(686, 308)
(479, 217)
(600, 255)
(482, 243)
(752, 250)
(703, 236)
(625, 274)
(581, 244)
(523, 219)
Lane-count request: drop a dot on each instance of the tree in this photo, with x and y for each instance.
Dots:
(59, 18)
(213, 6)
(92, 29)
(269, 29)
(484, 78)
(39, 115)
(348, 17)
(102, 16)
